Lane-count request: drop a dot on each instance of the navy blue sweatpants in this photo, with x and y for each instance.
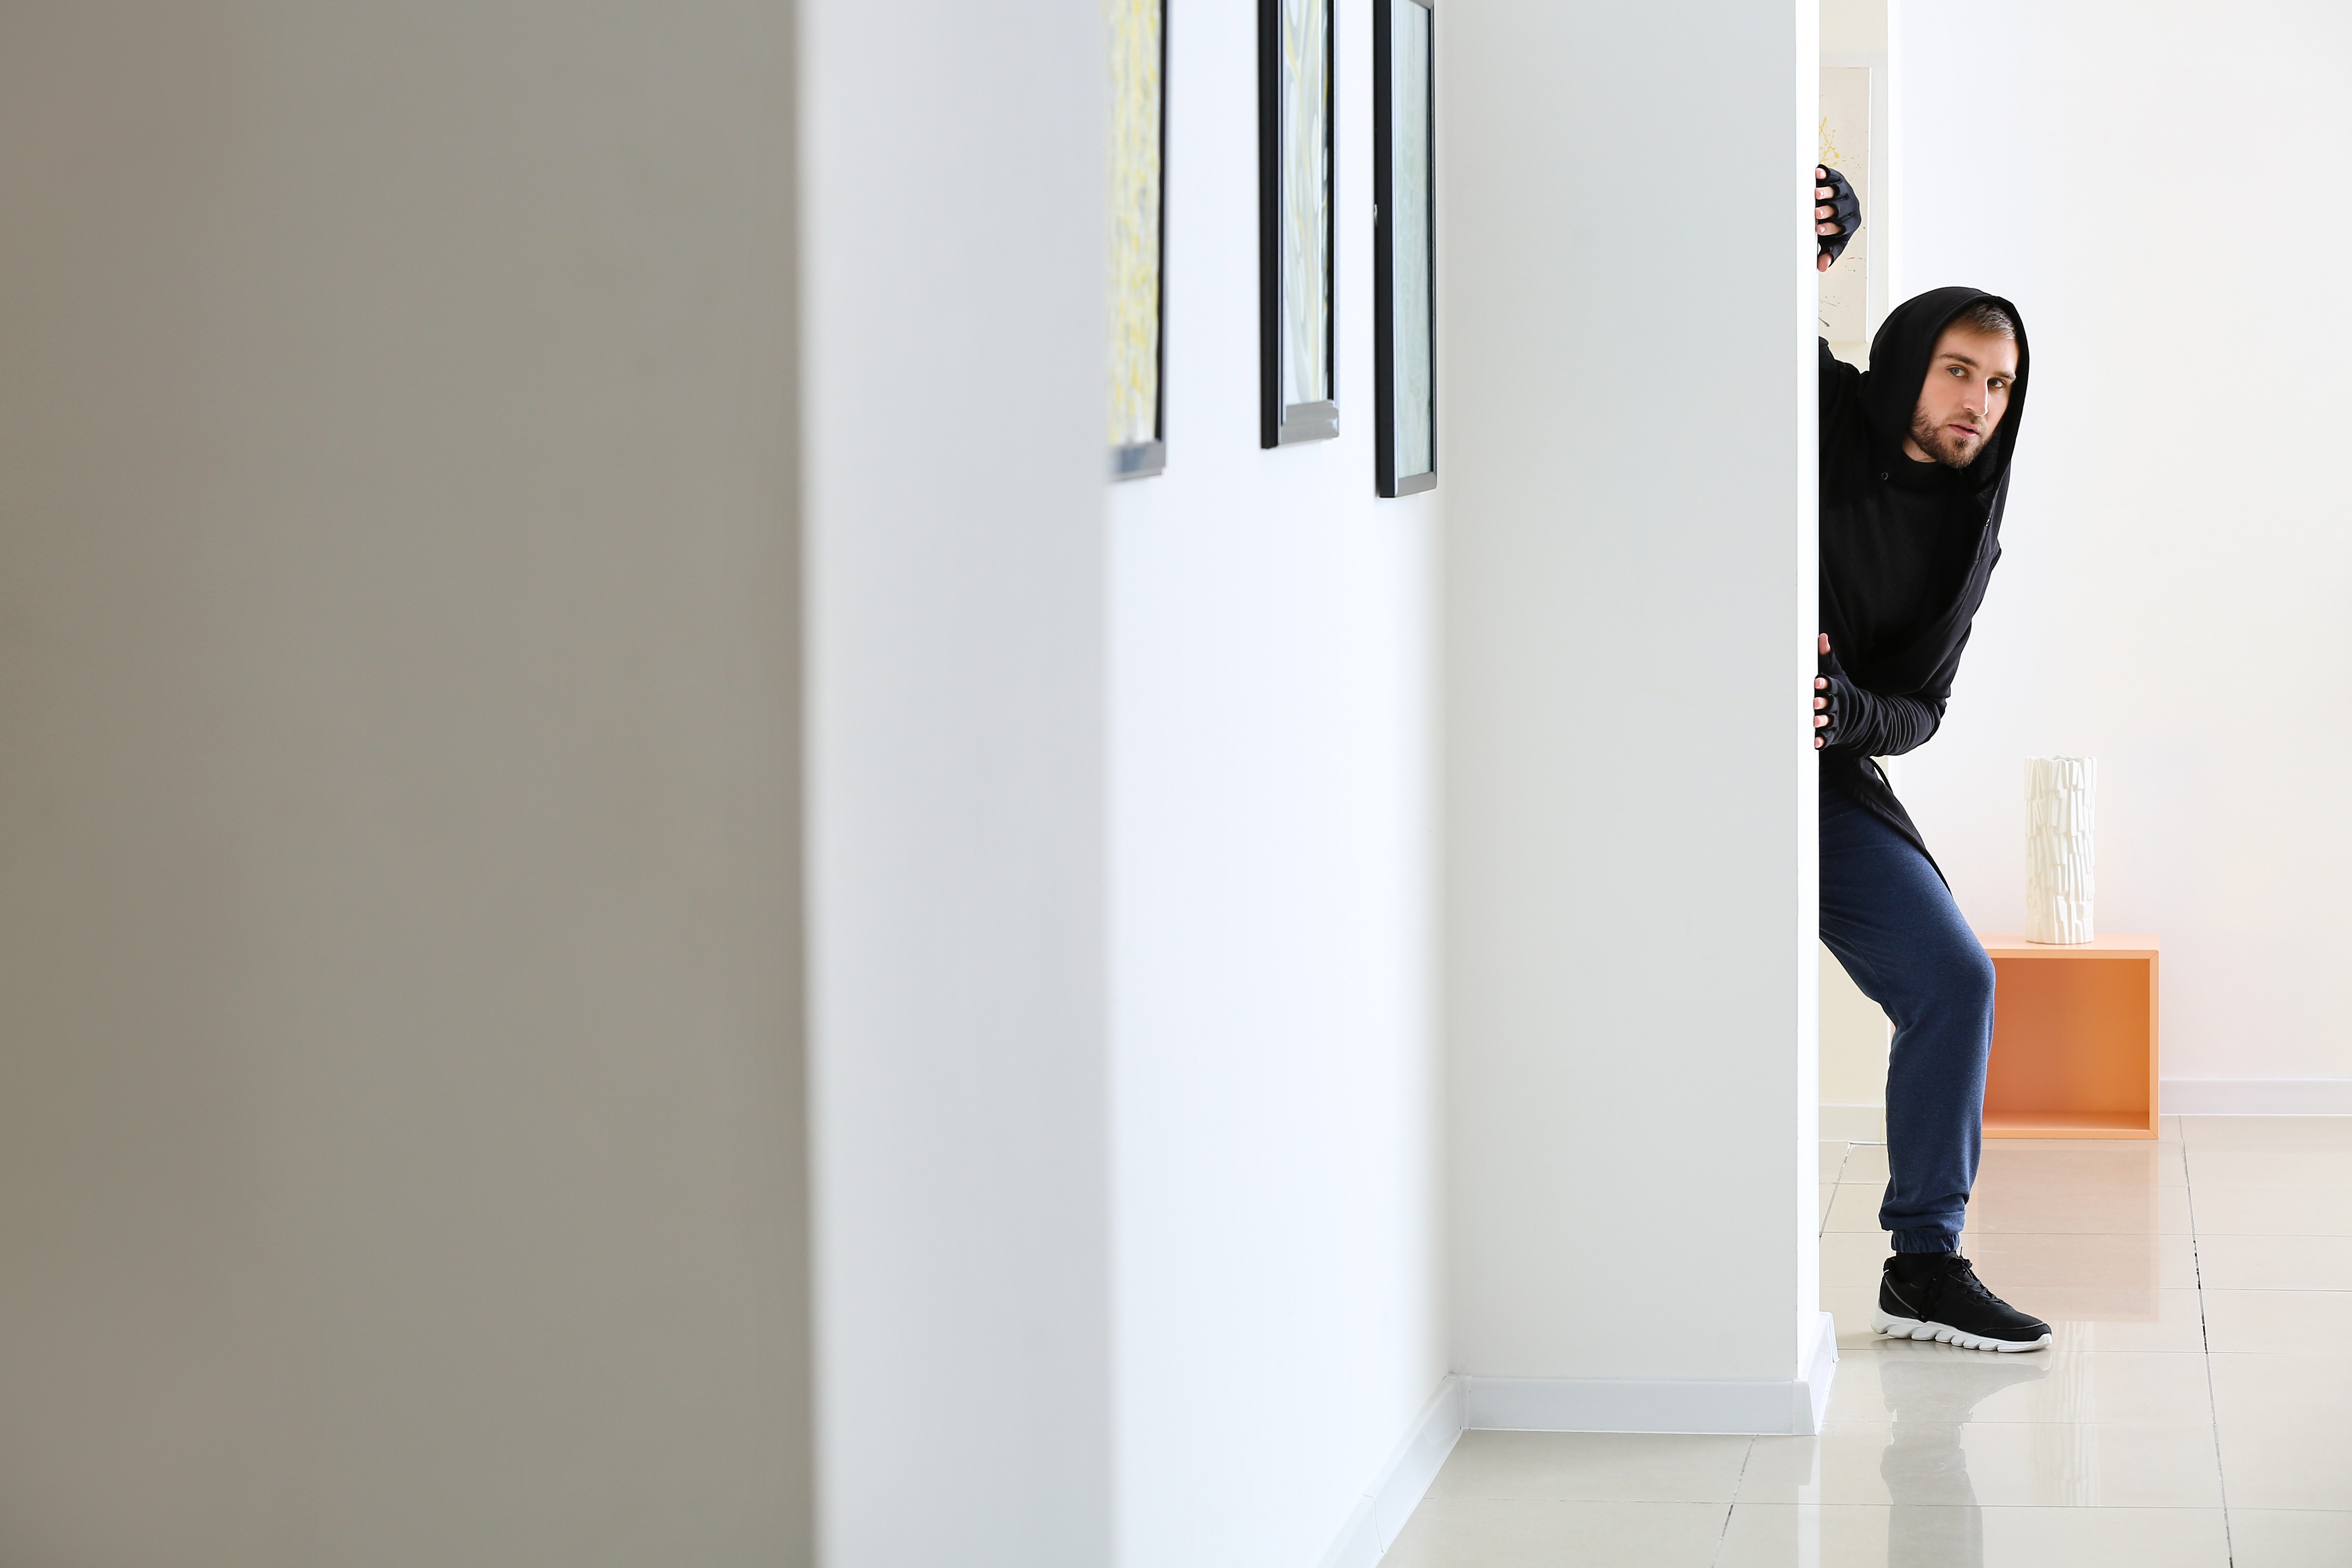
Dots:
(1892, 923)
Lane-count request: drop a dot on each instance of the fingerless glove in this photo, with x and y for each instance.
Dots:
(1845, 211)
(1843, 698)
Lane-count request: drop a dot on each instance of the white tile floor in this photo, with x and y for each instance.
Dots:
(2195, 1410)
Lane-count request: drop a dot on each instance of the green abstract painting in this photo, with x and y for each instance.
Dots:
(1305, 153)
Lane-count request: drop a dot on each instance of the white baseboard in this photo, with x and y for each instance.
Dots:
(2256, 1095)
(1358, 1545)
(2176, 1096)
(1596, 1404)
(1820, 1371)
(1371, 1528)
(1853, 1124)
(1572, 1404)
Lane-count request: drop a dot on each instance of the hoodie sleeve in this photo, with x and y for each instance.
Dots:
(1840, 383)
(1872, 724)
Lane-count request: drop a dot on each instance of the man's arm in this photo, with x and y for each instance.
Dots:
(1878, 726)
(1837, 214)
(1855, 720)
(1837, 379)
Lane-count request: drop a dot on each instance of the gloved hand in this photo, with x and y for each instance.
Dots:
(1833, 699)
(1837, 214)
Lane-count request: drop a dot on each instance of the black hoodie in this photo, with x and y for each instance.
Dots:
(1907, 549)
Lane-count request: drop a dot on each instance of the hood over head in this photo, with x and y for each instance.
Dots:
(1898, 367)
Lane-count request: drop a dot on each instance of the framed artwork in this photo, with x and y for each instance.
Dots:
(1294, 189)
(1845, 147)
(1139, 249)
(1404, 238)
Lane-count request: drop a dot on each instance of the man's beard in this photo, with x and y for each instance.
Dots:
(1941, 444)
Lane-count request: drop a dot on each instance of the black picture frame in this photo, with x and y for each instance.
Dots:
(1144, 458)
(1285, 420)
(1400, 403)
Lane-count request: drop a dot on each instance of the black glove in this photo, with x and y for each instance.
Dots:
(1845, 211)
(1843, 707)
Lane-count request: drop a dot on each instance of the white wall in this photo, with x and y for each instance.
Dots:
(954, 215)
(2166, 194)
(1276, 1083)
(1628, 601)
(398, 1113)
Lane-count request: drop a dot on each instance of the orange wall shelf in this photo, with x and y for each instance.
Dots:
(2073, 1039)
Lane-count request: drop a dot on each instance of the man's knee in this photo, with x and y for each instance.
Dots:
(1972, 978)
(1944, 980)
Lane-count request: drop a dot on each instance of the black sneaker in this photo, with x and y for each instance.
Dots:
(1938, 1296)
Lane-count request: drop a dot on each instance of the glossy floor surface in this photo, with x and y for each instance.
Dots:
(2194, 1410)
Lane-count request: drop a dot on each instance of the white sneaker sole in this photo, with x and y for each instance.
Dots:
(1912, 1329)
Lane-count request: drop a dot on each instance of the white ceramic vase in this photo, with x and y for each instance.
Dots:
(2060, 801)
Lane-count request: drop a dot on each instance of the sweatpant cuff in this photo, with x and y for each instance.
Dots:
(1925, 1241)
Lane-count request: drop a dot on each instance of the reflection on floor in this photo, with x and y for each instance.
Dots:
(2194, 1411)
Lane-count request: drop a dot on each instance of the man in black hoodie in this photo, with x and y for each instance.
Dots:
(1914, 473)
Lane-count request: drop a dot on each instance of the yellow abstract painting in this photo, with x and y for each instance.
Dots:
(1136, 89)
(1845, 147)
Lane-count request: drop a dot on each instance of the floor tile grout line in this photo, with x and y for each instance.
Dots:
(2205, 1338)
(1837, 1179)
(1724, 1533)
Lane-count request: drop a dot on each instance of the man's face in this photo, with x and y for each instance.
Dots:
(1963, 398)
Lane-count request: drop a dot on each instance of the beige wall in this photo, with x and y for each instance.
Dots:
(1854, 26)
(1855, 1040)
(397, 1161)
(1853, 1029)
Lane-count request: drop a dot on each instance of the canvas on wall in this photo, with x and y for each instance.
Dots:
(1845, 147)
(1295, 69)
(1138, 31)
(1404, 316)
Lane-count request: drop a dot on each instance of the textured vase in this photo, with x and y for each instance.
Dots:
(2059, 805)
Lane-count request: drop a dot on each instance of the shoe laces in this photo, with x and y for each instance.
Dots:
(1964, 1276)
